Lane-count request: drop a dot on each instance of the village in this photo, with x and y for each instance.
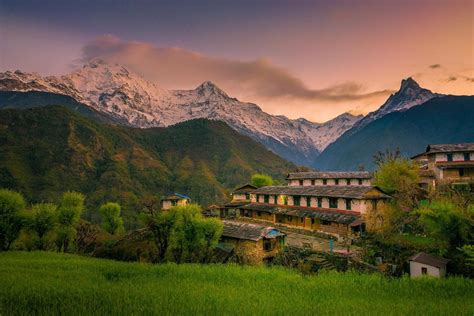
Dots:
(326, 211)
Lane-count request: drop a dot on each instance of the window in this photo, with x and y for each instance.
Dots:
(348, 204)
(308, 201)
(285, 200)
(301, 219)
(348, 181)
(296, 200)
(312, 221)
(467, 157)
(424, 271)
(332, 203)
(259, 214)
(325, 181)
(461, 172)
(336, 181)
(449, 157)
(360, 181)
(289, 218)
(266, 199)
(267, 245)
(247, 196)
(320, 202)
(301, 182)
(313, 182)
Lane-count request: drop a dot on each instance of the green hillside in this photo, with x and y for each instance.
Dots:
(48, 150)
(441, 120)
(42, 283)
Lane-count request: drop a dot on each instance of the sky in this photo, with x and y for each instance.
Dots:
(299, 58)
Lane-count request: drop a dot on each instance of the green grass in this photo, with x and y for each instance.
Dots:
(48, 283)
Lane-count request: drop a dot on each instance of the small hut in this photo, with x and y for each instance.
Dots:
(426, 264)
(175, 199)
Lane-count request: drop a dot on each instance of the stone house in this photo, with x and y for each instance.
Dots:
(327, 208)
(355, 178)
(252, 244)
(426, 264)
(446, 164)
(175, 199)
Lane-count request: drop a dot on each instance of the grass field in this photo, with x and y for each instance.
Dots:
(41, 283)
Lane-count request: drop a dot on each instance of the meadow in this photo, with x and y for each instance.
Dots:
(41, 283)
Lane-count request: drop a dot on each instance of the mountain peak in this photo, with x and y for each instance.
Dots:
(209, 88)
(409, 83)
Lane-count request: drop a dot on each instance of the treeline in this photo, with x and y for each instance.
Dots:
(179, 235)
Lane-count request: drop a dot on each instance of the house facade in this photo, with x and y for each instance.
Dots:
(175, 199)
(251, 243)
(352, 178)
(445, 164)
(333, 209)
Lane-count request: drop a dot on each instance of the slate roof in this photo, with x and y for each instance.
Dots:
(429, 260)
(249, 231)
(247, 188)
(177, 196)
(343, 191)
(330, 175)
(338, 216)
(446, 148)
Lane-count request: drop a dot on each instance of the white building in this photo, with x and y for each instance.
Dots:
(425, 264)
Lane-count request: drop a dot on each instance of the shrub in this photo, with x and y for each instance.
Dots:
(11, 206)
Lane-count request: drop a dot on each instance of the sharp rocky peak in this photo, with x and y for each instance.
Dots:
(208, 88)
(409, 83)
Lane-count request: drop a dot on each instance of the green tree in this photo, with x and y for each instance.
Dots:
(112, 222)
(444, 221)
(192, 236)
(399, 178)
(468, 251)
(69, 214)
(11, 206)
(261, 180)
(42, 221)
(182, 234)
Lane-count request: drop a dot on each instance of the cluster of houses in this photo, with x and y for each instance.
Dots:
(333, 203)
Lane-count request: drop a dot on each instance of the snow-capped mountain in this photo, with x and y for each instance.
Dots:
(409, 95)
(113, 89)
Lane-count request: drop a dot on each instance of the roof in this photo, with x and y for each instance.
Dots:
(177, 196)
(247, 188)
(236, 203)
(446, 148)
(330, 175)
(344, 191)
(429, 260)
(249, 231)
(338, 216)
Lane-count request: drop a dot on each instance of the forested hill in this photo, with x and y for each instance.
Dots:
(47, 150)
(448, 119)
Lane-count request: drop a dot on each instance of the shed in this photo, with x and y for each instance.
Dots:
(426, 264)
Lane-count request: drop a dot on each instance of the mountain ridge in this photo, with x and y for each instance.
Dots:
(120, 93)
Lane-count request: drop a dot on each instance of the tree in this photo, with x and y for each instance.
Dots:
(192, 236)
(261, 180)
(42, 222)
(69, 214)
(112, 222)
(399, 178)
(444, 221)
(182, 234)
(11, 206)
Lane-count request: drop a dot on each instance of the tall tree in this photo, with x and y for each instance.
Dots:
(399, 178)
(69, 214)
(112, 222)
(11, 206)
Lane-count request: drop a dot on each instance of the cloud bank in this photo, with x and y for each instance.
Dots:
(254, 80)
